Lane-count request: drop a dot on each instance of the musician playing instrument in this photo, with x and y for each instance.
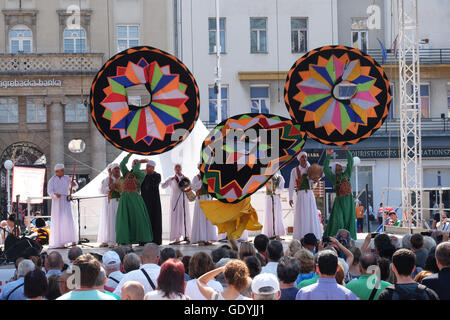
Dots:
(107, 226)
(63, 232)
(273, 213)
(203, 231)
(132, 222)
(180, 217)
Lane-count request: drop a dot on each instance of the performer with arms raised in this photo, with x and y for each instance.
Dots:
(62, 233)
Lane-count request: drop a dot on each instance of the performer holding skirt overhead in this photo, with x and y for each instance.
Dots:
(132, 222)
(273, 213)
(343, 215)
(107, 226)
(62, 231)
(203, 231)
(306, 218)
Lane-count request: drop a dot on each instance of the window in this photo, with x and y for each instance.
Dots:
(74, 41)
(259, 97)
(9, 110)
(20, 39)
(36, 112)
(76, 112)
(127, 37)
(258, 35)
(448, 99)
(212, 95)
(299, 28)
(212, 35)
(360, 34)
(425, 100)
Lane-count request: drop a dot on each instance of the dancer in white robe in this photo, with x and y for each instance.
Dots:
(306, 218)
(273, 194)
(180, 217)
(107, 227)
(203, 231)
(62, 228)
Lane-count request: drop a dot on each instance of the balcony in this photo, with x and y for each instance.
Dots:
(427, 56)
(50, 63)
(430, 126)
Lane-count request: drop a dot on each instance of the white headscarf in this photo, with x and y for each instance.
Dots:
(151, 163)
(113, 165)
(301, 154)
(333, 166)
(59, 166)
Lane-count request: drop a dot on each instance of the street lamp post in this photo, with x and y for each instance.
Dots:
(8, 166)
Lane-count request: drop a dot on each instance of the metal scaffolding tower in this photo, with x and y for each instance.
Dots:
(410, 113)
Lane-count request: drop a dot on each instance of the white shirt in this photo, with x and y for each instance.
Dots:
(159, 295)
(193, 292)
(117, 275)
(137, 275)
(270, 267)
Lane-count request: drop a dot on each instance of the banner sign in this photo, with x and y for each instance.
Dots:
(28, 182)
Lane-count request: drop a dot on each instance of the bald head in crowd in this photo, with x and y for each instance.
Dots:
(74, 253)
(132, 290)
(150, 254)
(54, 261)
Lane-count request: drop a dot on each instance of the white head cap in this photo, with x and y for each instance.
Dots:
(265, 280)
(301, 154)
(111, 259)
(333, 166)
(151, 163)
(113, 165)
(59, 166)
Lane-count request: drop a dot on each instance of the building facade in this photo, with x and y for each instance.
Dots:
(50, 52)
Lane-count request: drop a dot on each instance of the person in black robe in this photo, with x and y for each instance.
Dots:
(150, 194)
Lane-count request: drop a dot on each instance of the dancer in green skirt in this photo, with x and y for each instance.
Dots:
(132, 221)
(343, 215)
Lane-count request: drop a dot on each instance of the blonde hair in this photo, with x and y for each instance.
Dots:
(340, 274)
(246, 249)
(421, 275)
(306, 259)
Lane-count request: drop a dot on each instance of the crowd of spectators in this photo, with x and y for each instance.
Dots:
(417, 267)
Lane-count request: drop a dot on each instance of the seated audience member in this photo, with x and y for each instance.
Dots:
(148, 272)
(53, 291)
(326, 287)
(365, 287)
(354, 269)
(131, 262)
(14, 290)
(35, 285)
(170, 253)
(310, 242)
(274, 254)
(74, 253)
(440, 282)
(418, 249)
(287, 272)
(265, 286)
(219, 253)
(111, 263)
(253, 265)
(246, 249)
(422, 275)
(171, 284)
(237, 279)
(122, 251)
(54, 263)
(63, 282)
(186, 260)
(200, 264)
(261, 242)
(132, 290)
(88, 268)
(293, 247)
(404, 263)
(307, 266)
(100, 283)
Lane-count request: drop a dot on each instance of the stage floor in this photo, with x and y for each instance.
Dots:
(186, 249)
